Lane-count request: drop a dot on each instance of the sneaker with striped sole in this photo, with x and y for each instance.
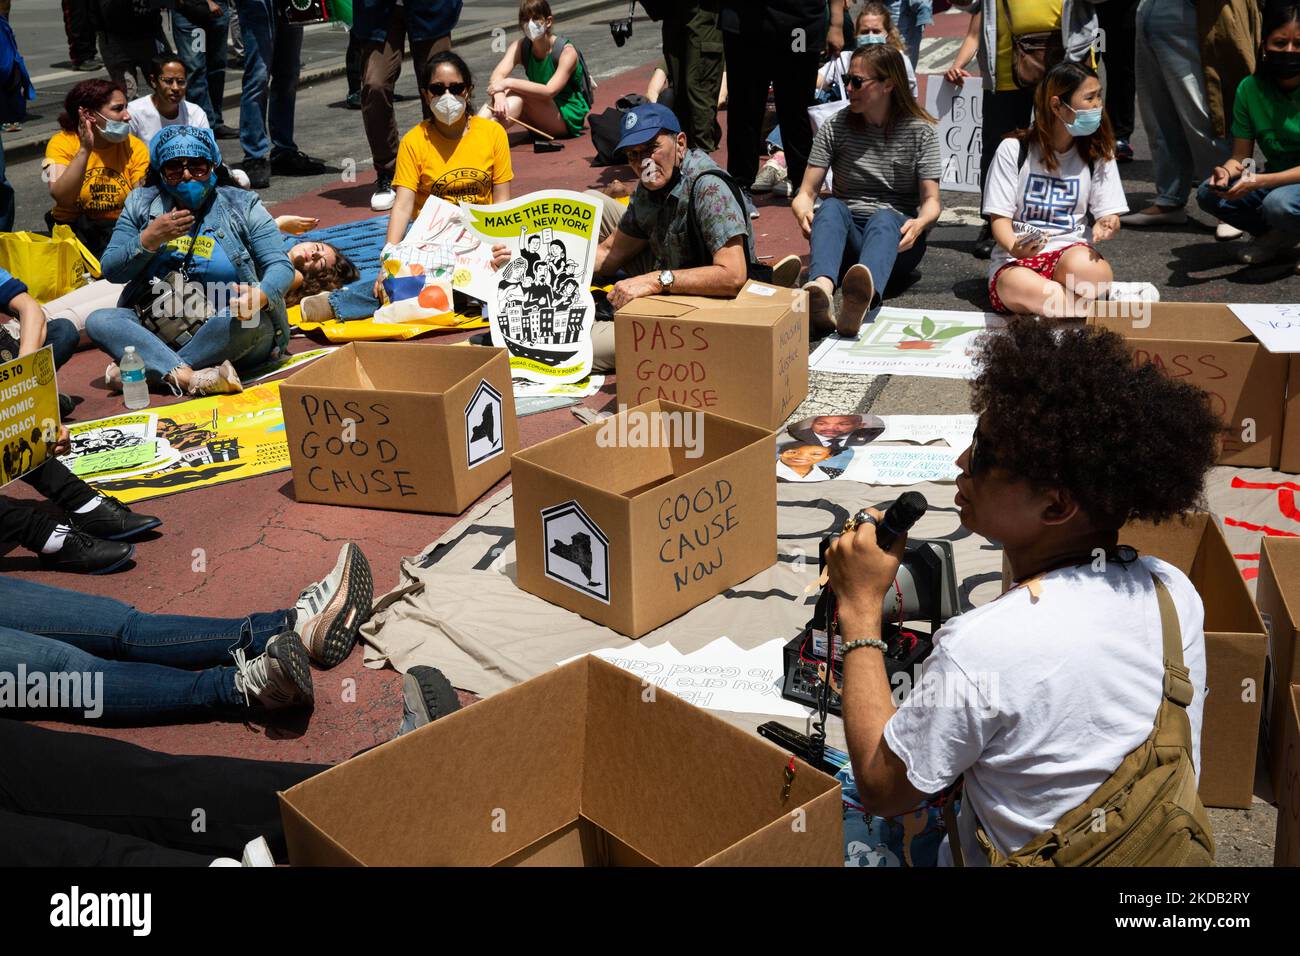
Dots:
(331, 611)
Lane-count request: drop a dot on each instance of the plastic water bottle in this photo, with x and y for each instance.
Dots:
(135, 390)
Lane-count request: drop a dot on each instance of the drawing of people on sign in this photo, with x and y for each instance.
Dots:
(539, 303)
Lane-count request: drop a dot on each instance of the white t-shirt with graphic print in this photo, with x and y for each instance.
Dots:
(1057, 202)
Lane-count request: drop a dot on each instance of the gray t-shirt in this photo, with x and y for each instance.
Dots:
(875, 166)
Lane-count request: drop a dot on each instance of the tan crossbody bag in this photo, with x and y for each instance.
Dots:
(1147, 813)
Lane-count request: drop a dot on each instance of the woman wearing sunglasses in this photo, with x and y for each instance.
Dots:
(220, 238)
(93, 162)
(884, 152)
(455, 156)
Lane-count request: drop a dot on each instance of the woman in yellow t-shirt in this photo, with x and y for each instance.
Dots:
(93, 162)
(455, 156)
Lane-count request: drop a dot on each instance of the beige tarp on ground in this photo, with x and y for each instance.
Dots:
(459, 610)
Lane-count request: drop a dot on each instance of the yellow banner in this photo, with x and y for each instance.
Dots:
(367, 330)
(203, 442)
(29, 413)
(558, 214)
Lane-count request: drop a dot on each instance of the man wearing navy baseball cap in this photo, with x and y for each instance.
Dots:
(653, 243)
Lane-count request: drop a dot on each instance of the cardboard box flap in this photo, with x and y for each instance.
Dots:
(1183, 321)
(1284, 558)
(309, 845)
(1228, 604)
(756, 304)
(396, 367)
(653, 777)
(514, 755)
(1177, 540)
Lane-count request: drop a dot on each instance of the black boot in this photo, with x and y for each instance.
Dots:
(82, 554)
(984, 242)
(113, 521)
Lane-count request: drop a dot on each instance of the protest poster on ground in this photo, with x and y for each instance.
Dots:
(198, 444)
(960, 113)
(1276, 325)
(29, 413)
(539, 304)
(925, 342)
(899, 465)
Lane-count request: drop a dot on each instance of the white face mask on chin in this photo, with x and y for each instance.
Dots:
(449, 108)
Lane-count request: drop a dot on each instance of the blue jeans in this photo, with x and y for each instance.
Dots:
(272, 57)
(205, 61)
(62, 337)
(221, 338)
(911, 17)
(840, 239)
(1171, 93)
(1258, 212)
(141, 656)
(356, 300)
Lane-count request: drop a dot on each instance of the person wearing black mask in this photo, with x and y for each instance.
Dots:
(1267, 110)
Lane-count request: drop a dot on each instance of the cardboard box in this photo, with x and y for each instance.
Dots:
(582, 766)
(744, 358)
(612, 523)
(1286, 848)
(1206, 345)
(397, 425)
(1277, 592)
(1289, 460)
(1236, 647)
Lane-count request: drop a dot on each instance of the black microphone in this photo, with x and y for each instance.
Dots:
(899, 518)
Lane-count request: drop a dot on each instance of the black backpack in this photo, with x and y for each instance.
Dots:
(758, 271)
(606, 130)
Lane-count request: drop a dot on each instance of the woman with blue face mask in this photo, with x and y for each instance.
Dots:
(1042, 185)
(93, 163)
(224, 243)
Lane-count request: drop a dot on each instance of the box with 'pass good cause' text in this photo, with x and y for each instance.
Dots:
(581, 766)
(744, 358)
(398, 425)
(639, 518)
(1207, 345)
(1236, 647)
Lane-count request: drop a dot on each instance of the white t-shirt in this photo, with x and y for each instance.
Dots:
(832, 71)
(146, 121)
(1039, 702)
(1056, 202)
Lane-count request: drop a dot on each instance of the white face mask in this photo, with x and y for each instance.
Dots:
(449, 108)
(535, 30)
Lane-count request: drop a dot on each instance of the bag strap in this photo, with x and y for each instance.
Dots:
(692, 223)
(1011, 28)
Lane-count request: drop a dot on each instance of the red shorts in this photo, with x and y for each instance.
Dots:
(1044, 264)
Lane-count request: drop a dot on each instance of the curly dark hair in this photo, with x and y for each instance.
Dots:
(1068, 408)
(344, 272)
(90, 94)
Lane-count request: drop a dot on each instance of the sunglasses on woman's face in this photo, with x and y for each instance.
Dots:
(438, 89)
(174, 168)
(981, 456)
(856, 82)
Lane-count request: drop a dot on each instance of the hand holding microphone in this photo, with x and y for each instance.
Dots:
(862, 566)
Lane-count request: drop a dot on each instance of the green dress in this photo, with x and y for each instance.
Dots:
(570, 101)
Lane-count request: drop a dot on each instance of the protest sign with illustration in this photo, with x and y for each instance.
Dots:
(29, 413)
(927, 342)
(439, 253)
(540, 303)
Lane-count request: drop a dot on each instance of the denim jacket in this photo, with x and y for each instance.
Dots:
(425, 19)
(1079, 32)
(245, 230)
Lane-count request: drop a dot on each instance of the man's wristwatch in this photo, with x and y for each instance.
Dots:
(666, 280)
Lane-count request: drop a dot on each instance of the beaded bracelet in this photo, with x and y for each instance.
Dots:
(866, 642)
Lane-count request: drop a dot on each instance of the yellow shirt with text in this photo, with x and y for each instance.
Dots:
(457, 170)
(111, 173)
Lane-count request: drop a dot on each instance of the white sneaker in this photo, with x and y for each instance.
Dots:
(769, 177)
(256, 853)
(316, 308)
(279, 677)
(331, 611)
(1226, 233)
(382, 199)
(222, 380)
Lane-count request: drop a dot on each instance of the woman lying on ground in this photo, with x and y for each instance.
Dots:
(1043, 183)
